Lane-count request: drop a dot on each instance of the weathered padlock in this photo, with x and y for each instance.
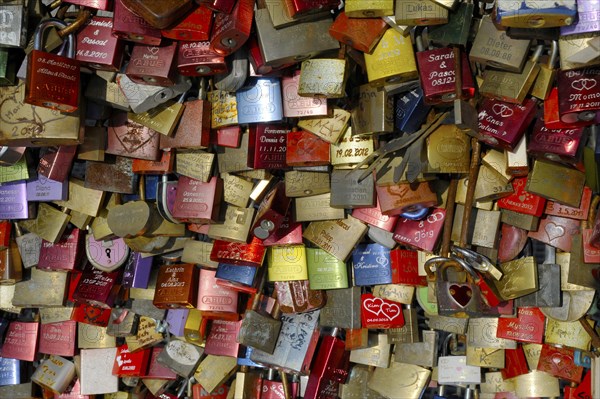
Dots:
(195, 58)
(492, 47)
(545, 79)
(230, 31)
(454, 298)
(52, 80)
(13, 23)
(512, 87)
(410, 12)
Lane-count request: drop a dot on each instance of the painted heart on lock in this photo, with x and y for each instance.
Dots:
(461, 293)
(390, 310)
(502, 110)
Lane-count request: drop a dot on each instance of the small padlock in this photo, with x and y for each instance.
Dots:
(578, 97)
(52, 80)
(195, 26)
(538, 14)
(195, 58)
(97, 47)
(411, 12)
(545, 79)
(230, 31)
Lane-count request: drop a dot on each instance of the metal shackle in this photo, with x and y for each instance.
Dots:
(47, 23)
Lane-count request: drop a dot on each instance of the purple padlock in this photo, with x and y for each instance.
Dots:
(106, 255)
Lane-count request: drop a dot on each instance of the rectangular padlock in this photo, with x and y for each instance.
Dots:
(197, 59)
(502, 124)
(369, 9)
(195, 26)
(359, 33)
(222, 338)
(392, 60)
(267, 146)
(577, 99)
(231, 30)
(97, 48)
(542, 13)
(273, 41)
(260, 101)
(374, 113)
(323, 78)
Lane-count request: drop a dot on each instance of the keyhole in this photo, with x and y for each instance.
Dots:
(107, 250)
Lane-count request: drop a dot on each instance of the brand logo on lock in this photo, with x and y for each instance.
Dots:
(502, 110)
(584, 84)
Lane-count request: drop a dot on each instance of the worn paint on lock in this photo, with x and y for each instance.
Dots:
(242, 254)
(306, 149)
(329, 129)
(528, 326)
(222, 339)
(296, 106)
(359, 33)
(559, 362)
(535, 14)
(323, 77)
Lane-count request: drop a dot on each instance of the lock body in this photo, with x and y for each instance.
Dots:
(153, 65)
(132, 27)
(438, 75)
(97, 48)
(52, 80)
(195, 58)
(195, 26)
(578, 94)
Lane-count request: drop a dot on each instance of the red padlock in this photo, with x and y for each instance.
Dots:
(52, 79)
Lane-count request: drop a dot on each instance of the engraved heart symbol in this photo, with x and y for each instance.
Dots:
(390, 310)
(584, 84)
(554, 231)
(373, 305)
(502, 110)
(132, 138)
(462, 294)
(153, 50)
(522, 197)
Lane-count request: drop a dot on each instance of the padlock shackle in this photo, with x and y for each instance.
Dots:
(47, 23)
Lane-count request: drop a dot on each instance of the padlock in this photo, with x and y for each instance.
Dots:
(330, 368)
(535, 15)
(456, 31)
(195, 58)
(260, 102)
(528, 326)
(160, 15)
(492, 47)
(586, 20)
(391, 381)
(559, 145)
(153, 65)
(258, 329)
(63, 255)
(231, 30)
(130, 26)
(520, 278)
(323, 77)
(359, 33)
(374, 113)
(215, 301)
(502, 125)
(58, 90)
(392, 60)
(454, 298)
(97, 288)
(221, 340)
(512, 87)
(295, 346)
(58, 338)
(236, 72)
(54, 373)
(546, 176)
(20, 340)
(13, 32)
(314, 34)
(369, 9)
(545, 79)
(577, 99)
(143, 97)
(197, 201)
(194, 27)
(410, 12)
(127, 138)
(97, 48)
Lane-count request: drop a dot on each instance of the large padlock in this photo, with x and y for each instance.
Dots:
(455, 298)
(52, 79)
